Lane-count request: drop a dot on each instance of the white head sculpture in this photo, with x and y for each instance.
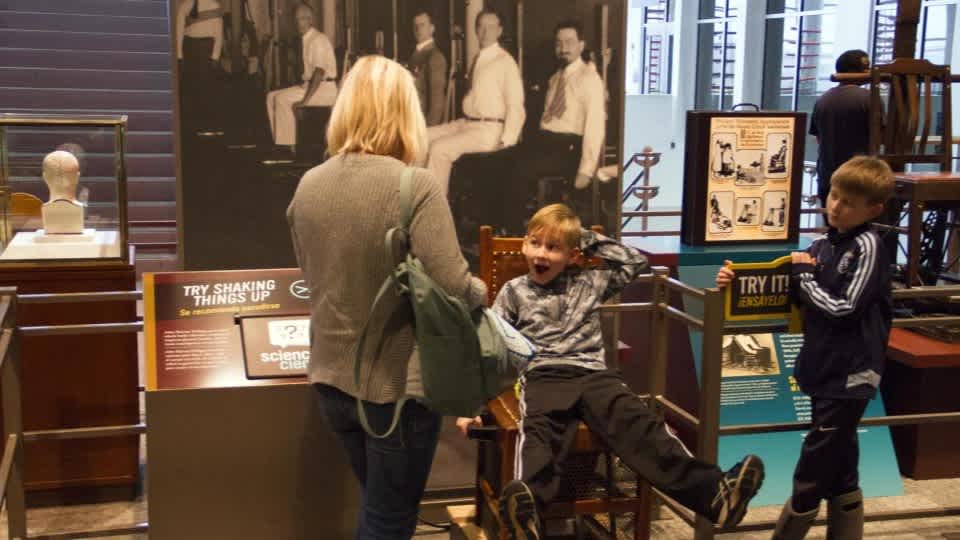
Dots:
(61, 172)
(62, 214)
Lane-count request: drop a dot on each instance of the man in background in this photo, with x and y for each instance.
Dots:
(841, 121)
(429, 68)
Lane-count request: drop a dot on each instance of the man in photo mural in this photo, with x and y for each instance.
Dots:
(429, 68)
(492, 107)
(199, 41)
(319, 86)
(568, 143)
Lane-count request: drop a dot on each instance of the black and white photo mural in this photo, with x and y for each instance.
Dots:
(523, 100)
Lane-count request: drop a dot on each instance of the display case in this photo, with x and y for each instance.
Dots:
(63, 190)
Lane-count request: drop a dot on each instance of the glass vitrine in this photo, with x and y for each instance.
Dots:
(63, 189)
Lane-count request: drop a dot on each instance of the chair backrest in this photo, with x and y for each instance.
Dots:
(24, 207)
(898, 135)
(501, 259)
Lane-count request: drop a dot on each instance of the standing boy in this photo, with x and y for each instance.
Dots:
(556, 306)
(843, 282)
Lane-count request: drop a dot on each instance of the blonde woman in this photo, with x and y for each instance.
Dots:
(338, 219)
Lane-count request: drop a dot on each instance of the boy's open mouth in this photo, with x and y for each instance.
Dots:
(541, 268)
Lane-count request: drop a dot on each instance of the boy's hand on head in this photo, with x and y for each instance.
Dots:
(578, 259)
(464, 423)
(802, 257)
(725, 275)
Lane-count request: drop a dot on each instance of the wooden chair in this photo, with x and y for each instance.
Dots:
(311, 142)
(897, 134)
(903, 130)
(583, 491)
(26, 211)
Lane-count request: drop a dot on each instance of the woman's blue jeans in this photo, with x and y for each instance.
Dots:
(392, 472)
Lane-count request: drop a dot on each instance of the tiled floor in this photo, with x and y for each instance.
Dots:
(919, 495)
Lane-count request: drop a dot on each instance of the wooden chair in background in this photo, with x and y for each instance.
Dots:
(897, 134)
(25, 212)
(904, 130)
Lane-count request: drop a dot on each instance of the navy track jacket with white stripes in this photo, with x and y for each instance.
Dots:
(847, 313)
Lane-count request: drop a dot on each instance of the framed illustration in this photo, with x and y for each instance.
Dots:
(742, 177)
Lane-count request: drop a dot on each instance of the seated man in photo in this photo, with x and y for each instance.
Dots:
(319, 86)
(493, 105)
(567, 145)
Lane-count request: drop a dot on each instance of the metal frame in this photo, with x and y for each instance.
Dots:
(119, 125)
(707, 423)
(12, 492)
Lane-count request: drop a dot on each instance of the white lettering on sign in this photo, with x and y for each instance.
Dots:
(780, 283)
(749, 285)
(752, 284)
(287, 360)
(230, 293)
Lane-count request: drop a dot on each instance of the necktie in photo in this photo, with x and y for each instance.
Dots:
(558, 105)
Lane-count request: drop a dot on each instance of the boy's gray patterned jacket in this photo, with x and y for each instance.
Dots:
(562, 317)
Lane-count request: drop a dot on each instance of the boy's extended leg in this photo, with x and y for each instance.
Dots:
(547, 429)
(642, 441)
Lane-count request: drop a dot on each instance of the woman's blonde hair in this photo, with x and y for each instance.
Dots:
(378, 112)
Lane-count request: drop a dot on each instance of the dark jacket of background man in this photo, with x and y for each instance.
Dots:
(841, 121)
(429, 68)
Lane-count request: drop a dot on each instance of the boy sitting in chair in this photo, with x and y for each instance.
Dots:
(556, 306)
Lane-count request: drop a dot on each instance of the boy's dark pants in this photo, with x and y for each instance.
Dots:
(553, 399)
(828, 459)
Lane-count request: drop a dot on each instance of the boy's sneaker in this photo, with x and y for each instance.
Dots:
(736, 488)
(518, 512)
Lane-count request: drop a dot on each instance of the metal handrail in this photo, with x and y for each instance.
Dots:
(81, 329)
(6, 465)
(84, 433)
(136, 528)
(707, 422)
(681, 413)
(57, 298)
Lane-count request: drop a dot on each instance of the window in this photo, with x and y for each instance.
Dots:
(933, 33)
(716, 53)
(799, 57)
(650, 47)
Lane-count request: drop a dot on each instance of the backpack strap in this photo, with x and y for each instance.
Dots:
(388, 283)
(406, 209)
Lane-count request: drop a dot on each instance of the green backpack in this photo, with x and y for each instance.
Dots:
(464, 361)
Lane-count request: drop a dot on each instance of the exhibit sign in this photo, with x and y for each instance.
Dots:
(275, 346)
(192, 327)
(742, 177)
(757, 387)
(761, 291)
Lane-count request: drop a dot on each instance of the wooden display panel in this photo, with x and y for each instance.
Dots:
(742, 177)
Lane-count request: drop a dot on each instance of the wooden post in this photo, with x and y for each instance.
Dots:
(905, 34)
